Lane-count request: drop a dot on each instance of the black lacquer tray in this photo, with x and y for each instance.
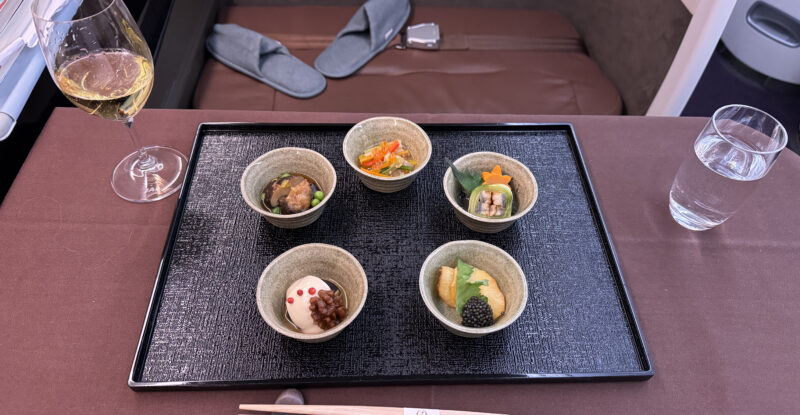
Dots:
(203, 328)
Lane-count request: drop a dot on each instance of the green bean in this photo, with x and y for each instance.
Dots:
(285, 175)
(276, 210)
(319, 195)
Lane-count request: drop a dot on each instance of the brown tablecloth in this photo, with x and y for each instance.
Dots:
(719, 309)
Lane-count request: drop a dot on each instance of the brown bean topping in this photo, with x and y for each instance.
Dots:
(327, 309)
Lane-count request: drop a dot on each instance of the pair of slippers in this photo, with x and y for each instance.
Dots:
(368, 33)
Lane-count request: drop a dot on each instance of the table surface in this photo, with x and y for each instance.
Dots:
(718, 309)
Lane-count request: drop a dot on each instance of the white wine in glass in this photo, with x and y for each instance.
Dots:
(100, 61)
(111, 84)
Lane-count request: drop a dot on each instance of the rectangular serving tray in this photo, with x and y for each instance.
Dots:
(203, 330)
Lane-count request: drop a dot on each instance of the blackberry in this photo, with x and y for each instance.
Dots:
(476, 313)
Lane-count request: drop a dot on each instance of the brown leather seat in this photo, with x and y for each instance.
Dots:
(518, 62)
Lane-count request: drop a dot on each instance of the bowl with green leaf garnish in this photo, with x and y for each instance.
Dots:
(473, 288)
(489, 191)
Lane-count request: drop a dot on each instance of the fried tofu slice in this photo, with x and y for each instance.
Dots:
(447, 285)
(447, 289)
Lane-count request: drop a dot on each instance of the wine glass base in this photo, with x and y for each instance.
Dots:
(161, 176)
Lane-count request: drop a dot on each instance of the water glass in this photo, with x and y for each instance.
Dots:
(737, 147)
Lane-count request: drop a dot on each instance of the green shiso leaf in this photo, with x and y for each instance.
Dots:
(467, 179)
(466, 290)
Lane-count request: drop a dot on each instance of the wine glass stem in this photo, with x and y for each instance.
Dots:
(145, 161)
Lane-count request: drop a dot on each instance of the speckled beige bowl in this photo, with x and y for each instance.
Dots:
(288, 160)
(523, 184)
(481, 255)
(371, 132)
(321, 260)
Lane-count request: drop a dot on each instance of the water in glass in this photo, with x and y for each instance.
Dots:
(710, 187)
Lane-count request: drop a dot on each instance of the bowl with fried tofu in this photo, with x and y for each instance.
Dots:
(473, 288)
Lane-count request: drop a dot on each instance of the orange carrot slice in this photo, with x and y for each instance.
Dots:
(495, 176)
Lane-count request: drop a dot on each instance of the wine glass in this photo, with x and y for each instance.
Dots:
(98, 58)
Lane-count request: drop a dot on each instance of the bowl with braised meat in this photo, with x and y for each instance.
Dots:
(387, 153)
(289, 186)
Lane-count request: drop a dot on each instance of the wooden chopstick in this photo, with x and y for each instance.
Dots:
(345, 410)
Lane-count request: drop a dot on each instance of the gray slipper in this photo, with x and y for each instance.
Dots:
(368, 33)
(264, 59)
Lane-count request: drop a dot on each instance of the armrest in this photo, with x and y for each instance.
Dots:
(699, 42)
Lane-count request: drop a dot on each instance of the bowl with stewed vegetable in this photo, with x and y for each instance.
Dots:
(387, 153)
(289, 186)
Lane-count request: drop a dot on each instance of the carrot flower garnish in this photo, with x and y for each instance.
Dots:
(495, 176)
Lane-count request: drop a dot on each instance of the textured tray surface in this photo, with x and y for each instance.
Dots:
(208, 328)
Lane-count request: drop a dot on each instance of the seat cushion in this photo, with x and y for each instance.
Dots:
(495, 79)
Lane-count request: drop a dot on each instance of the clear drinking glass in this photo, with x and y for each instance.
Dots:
(737, 147)
(98, 58)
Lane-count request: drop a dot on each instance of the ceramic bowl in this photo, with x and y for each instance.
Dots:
(481, 255)
(523, 184)
(288, 160)
(324, 261)
(371, 132)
